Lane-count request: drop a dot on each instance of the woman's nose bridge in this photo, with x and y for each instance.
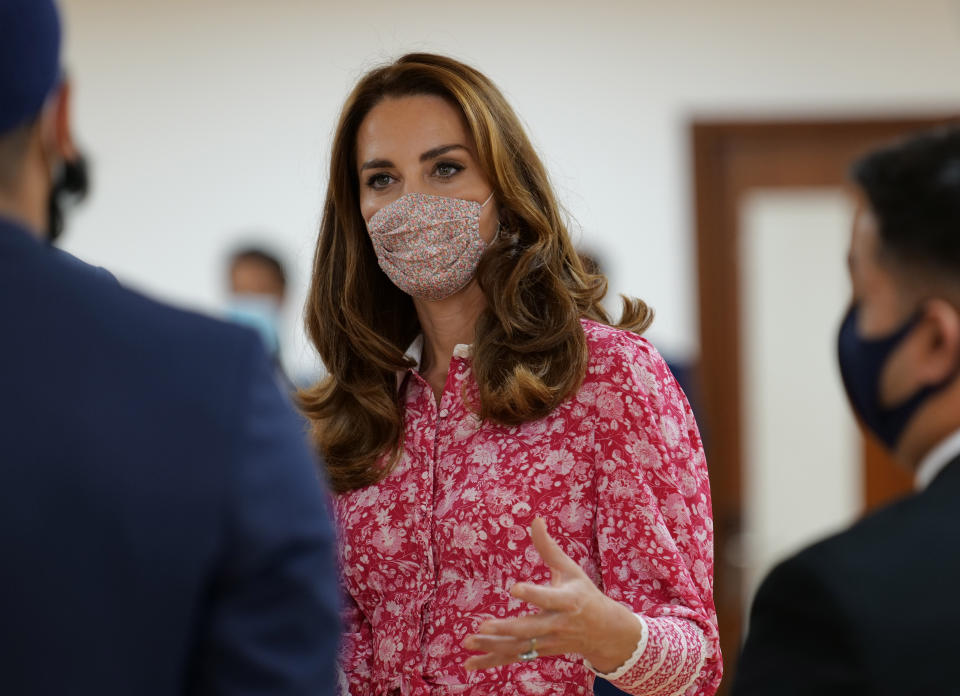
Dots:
(413, 184)
(415, 178)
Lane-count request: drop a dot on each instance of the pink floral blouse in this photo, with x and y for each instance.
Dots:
(619, 475)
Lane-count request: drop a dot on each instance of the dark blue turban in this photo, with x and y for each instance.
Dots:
(29, 59)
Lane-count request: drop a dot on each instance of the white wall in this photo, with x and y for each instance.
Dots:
(211, 117)
(802, 467)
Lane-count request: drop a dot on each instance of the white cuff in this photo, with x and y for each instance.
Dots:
(343, 685)
(631, 661)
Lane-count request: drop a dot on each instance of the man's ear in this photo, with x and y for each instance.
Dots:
(58, 127)
(941, 342)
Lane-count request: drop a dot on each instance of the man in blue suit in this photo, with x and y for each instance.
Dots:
(162, 522)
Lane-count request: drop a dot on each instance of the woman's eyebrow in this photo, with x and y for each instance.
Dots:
(428, 155)
(437, 151)
(376, 164)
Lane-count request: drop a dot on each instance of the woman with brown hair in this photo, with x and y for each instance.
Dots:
(478, 390)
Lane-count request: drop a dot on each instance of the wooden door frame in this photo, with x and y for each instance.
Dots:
(729, 159)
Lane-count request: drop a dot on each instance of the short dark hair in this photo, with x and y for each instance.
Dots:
(913, 188)
(13, 147)
(264, 257)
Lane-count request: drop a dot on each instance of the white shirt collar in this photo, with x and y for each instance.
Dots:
(936, 460)
(415, 353)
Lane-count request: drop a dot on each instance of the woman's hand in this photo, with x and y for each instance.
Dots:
(574, 617)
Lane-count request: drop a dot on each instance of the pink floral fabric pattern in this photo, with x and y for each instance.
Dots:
(429, 246)
(618, 473)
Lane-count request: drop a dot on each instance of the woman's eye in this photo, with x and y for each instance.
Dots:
(379, 181)
(446, 169)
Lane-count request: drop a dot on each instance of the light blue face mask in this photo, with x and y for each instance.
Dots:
(258, 312)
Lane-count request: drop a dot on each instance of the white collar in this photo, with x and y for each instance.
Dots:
(937, 458)
(415, 353)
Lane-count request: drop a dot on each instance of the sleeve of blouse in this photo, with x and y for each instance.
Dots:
(655, 526)
(356, 651)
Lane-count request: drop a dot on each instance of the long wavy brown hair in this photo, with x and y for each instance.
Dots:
(529, 352)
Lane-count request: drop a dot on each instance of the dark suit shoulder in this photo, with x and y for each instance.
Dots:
(866, 610)
(799, 641)
(915, 530)
(108, 324)
(87, 355)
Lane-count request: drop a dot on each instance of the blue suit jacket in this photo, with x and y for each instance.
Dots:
(162, 523)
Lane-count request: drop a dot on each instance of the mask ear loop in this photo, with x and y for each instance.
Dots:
(496, 236)
(54, 170)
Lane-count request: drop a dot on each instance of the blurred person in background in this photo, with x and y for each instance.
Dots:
(257, 283)
(872, 610)
(162, 525)
(480, 395)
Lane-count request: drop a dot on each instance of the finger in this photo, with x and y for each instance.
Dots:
(550, 550)
(502, 645)
(544, 596)
(478, 662)
(505, 654)
(524, 627)
(490, 660)
(513, 647)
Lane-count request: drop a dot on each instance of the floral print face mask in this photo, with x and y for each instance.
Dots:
(429, 246)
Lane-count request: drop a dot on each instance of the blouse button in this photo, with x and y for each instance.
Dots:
(444, 413)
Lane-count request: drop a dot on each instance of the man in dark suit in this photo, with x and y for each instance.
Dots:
(874, 610)
(162, 522)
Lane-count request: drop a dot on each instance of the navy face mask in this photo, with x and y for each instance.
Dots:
(70, 187)
(861, 364)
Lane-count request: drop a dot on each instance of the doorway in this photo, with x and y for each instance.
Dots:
(771, 198)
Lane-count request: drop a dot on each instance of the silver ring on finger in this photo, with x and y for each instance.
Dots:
(530, 654)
